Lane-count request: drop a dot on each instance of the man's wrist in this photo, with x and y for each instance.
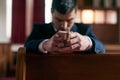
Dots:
(89, 43)
(41, 46)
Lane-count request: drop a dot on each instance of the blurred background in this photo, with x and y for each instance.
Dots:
(18, 16)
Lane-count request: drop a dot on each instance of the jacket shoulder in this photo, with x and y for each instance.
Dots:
(40, 25)
(84, 28)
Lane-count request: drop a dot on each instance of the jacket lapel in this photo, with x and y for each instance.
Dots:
(74, 28)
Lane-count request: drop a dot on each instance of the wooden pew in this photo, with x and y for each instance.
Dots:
(6, 58)
(112, 48)
(3, 66)
(32, 66)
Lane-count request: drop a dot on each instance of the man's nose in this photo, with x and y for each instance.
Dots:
(64, 25)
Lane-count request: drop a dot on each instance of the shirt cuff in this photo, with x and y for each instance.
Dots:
(90, 43)
(41, 49)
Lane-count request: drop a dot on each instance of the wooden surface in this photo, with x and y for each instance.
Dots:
(6, 58)
(21, 64)
(107, 33)
(68, 67)
(112, 48)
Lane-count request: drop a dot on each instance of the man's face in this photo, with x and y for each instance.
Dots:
(63, 21)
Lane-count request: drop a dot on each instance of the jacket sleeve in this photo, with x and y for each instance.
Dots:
(98, 46)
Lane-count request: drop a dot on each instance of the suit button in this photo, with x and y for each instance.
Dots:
(98, 50)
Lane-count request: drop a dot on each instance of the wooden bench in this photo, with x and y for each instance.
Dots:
(32, 66)
(6, 58)
(112, 48)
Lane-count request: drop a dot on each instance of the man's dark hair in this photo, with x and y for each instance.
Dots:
(64, 6)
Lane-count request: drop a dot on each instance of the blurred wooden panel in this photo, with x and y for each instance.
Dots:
(112, 48)
(107, 33)
(81, 3)
(6, 58)
(88, 3)
(3, 66)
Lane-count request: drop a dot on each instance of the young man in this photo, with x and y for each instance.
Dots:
(63, 35)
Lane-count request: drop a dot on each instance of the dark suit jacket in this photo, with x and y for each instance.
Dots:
(46, 31)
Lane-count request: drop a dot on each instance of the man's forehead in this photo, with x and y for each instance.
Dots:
(58, 15)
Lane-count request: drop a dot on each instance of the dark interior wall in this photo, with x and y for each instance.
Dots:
(19, 21)
(39, 11)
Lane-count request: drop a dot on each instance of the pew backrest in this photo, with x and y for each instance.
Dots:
(31, 66)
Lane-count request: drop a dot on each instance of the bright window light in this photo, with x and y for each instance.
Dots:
(9, 17)
(48, 17)
(111, 17)
(99, 16)
(88, 16)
